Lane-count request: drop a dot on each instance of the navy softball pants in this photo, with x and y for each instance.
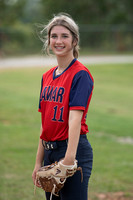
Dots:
(73, 188)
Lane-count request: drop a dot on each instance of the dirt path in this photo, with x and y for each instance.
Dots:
(112, 196)
(42, 61)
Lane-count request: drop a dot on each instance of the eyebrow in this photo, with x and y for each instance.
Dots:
(61, 34)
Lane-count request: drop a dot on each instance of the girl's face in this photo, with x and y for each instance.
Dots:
(61, 41)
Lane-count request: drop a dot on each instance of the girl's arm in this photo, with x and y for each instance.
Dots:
(75, 117)
(39, 159)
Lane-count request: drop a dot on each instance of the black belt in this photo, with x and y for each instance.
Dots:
(54, 144)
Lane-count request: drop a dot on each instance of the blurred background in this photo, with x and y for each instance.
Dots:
(106, 48)
(106, 26)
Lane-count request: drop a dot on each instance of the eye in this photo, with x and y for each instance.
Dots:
(53, 36)
(65, 36)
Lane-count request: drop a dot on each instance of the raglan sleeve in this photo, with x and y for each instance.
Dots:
(40, 98)
(81, 89)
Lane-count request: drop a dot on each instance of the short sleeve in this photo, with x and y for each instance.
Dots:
(81, 90)
(40, 99)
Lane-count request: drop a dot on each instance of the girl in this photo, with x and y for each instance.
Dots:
(65, 95)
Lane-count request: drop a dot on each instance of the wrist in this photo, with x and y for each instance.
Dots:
(38, 165)
(68, 161)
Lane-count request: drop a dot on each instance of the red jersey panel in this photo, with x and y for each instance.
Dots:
(71, 90)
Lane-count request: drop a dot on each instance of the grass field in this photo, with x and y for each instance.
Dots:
(110, 120)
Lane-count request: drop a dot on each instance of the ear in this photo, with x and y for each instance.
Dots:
(74, 43)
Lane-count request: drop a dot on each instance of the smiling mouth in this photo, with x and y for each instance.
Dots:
(59, 48)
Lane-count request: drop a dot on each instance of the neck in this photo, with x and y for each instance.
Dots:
(64, 62)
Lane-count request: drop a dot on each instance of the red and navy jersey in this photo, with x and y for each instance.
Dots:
(71, 90)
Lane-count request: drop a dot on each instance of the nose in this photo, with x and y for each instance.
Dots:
(58, 40)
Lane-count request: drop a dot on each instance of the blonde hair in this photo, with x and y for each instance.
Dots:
(62, 19)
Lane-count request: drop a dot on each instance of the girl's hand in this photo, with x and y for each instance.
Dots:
(68, 161)
(34, 176)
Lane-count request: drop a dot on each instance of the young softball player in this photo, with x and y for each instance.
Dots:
(65, 96)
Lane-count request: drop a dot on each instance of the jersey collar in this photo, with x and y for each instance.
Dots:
(54, 76)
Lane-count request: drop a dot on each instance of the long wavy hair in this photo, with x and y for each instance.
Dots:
(61, 19)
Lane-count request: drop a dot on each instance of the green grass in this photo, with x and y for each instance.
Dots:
(110, 118)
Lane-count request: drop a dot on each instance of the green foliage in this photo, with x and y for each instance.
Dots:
(20, 39)
(109, 120)
(92, 12)
(10, 11)
(105, 25)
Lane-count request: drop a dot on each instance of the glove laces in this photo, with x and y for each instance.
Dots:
(52, 192)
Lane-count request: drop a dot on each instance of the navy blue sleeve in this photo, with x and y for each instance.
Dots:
(81, 89)
(39, 107)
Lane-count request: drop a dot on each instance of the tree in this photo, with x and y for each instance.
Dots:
(10, 11)
(92, 12)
